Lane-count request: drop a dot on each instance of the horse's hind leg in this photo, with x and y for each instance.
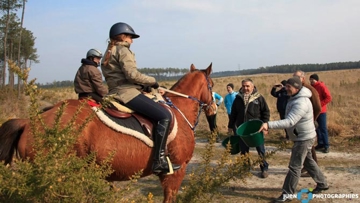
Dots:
(172, 183)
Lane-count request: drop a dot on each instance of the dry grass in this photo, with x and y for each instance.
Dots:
(343, 112)
(11, 106)
(342, 115)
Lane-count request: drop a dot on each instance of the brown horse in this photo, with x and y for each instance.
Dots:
(131, 154)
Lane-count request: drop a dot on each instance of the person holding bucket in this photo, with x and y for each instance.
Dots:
(249, 104)
(299, 124)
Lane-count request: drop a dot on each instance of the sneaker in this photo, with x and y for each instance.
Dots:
(318, 190)
(326, 150)
(264, 174)
(281, 199)
(319, 147)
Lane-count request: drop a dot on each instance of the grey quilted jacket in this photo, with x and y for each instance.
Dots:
(298, 120)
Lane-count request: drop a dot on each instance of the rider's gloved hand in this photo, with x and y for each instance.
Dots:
(155, 86)
(147, 89)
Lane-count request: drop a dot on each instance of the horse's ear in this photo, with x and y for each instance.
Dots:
(192, 68)
(209, 69)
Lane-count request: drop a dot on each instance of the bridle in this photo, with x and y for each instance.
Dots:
(202, 104)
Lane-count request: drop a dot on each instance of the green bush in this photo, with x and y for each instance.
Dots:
(56, 174)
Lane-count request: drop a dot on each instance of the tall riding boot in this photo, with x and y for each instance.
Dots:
(160, 163)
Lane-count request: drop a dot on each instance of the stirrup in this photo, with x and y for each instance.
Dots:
(170, 167)
(171, 170)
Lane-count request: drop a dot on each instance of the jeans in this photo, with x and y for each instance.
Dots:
(321, 131)
(264, 166)
(301, 155)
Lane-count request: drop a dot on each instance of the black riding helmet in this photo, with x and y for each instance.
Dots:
(122, 28)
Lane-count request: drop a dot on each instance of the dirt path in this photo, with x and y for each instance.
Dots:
(342, 171)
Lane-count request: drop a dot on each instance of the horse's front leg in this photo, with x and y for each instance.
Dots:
(171, 184)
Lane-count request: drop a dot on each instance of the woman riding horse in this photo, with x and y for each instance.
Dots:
(124, 81)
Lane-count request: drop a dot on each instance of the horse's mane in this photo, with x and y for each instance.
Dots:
(185, 77)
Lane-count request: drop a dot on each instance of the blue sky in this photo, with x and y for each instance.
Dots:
(231, 34)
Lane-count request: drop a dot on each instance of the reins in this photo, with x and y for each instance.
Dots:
(169, 102)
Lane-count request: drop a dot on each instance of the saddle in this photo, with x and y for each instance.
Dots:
(118, 110)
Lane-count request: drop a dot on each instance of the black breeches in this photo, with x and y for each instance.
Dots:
(146, 106)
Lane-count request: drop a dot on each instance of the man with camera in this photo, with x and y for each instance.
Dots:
(282, 98)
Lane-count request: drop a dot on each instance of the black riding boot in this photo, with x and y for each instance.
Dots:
(160, 163)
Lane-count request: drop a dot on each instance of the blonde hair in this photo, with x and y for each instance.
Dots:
(111, 44)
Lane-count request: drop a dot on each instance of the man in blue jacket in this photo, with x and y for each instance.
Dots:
(228, 102)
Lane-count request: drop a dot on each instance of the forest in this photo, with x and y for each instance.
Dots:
(17, 43)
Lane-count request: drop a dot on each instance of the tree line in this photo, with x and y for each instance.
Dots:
(171, 74)
(17, 43)
(290, 68)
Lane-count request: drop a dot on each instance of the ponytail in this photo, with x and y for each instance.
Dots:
(113, 41)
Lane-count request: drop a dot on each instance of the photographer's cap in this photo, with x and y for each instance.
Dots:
(295, 82)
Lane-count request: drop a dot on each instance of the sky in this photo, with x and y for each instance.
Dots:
(231, 34)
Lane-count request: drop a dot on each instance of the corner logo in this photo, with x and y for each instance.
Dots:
(303, 193)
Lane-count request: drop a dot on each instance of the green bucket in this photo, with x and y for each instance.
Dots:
(234, 142)
(248, 132)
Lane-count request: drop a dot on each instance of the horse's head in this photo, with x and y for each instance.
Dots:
(206, 95)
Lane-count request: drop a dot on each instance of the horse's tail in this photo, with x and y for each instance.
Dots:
(10, 133)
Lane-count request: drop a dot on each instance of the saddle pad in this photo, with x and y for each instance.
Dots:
(129, 131)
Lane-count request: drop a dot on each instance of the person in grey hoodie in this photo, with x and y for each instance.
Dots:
(300, 127)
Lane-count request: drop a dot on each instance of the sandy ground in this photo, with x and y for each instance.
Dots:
(343, 175)
(342, 171)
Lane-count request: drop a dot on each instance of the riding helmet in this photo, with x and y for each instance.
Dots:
(94, 53)
(122, 28)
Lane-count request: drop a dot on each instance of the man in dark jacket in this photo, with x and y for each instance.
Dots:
(88, 79)
(282, 98)
(249, 104)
